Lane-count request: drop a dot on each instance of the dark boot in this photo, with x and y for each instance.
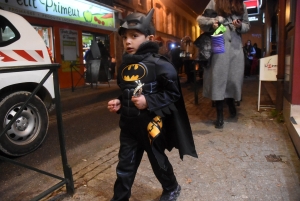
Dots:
(219, 107)
(170, 195)
(231, 105)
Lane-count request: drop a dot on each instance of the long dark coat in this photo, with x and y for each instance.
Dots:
(224, 77)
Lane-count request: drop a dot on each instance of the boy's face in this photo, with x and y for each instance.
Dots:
(132, 39)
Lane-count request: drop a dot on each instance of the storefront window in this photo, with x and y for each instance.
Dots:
(46, 34)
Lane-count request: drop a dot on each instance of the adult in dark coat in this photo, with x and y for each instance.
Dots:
(250, 53)
(176, 59)
(104, 74)
(258, 56)
(223, 79)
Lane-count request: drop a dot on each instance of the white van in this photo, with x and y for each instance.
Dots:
(21, 45)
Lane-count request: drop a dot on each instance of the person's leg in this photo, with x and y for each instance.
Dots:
(154, 144)
(165, 174)
(186, 70)
(219, 108)
(249, 68)
(130, 155)
(191, 71)
(231, 105)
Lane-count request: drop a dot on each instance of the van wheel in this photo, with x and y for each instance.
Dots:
(29, 130)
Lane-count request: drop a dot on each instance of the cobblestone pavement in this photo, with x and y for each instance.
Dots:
(251, 158)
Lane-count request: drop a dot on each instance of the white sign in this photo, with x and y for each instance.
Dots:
(268, 68)
(75, 11)
(267, 72)
(69, 44)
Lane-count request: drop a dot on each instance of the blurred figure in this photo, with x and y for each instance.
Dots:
(258, 56)
(162, 49)
(189, 57)
(112, 68)
(105, 61)
(249, 52)
(176, 59)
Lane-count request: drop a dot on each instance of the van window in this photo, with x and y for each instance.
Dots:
(8, 33)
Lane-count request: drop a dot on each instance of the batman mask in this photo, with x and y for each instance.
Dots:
(139, 22)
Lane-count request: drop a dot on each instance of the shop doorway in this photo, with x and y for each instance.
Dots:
(102, 70)
(87, 39)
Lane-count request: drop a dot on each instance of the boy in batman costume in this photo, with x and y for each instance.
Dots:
(151, 107)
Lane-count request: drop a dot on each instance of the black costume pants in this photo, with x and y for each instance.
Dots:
(133, 142)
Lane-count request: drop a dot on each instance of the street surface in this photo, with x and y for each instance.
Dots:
(251, 158)
(87, 129)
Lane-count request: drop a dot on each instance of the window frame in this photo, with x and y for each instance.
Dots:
(7, 23)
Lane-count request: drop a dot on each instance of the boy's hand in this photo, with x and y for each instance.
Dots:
(139, 102)
(114, 105)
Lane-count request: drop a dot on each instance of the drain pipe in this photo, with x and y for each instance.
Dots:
(281, 56)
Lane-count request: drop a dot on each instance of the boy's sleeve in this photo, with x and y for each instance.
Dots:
(162, 102)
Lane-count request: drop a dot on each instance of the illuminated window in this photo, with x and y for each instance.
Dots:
(169, 21)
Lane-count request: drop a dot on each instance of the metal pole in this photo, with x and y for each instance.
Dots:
(67, 169)
(71, 66)
(195, 82)
(281, 55)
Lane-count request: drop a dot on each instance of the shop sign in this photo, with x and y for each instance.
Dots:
(253, 6)
(268, 68)
(75, 11)
(68, 48)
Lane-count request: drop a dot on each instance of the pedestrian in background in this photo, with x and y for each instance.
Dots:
(223, 79)
(105, 62)
(250, 53)
(189, 57)
(258, 56)
(152, 111)
(176, 59)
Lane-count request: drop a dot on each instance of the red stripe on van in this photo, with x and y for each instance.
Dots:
(40, 52)
(6, 58)
(25, 55)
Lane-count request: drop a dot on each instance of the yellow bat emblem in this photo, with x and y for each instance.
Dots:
(134, 72)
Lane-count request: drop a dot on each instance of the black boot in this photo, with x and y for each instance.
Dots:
(170, 195)
(231, 105)
(219, 107)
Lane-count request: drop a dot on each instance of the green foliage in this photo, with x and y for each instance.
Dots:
(277, 115)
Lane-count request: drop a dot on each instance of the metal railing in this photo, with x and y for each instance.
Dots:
(68, 177)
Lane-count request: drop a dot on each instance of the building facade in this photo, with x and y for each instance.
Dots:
(68, 28)
(172, 19)
(281, 31)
